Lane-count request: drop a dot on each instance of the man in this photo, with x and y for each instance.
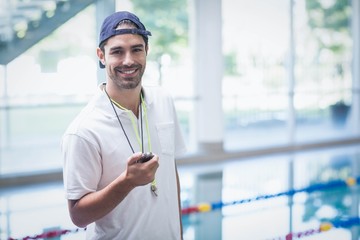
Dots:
(109, 188)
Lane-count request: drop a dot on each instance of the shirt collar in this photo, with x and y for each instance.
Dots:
(106, 106)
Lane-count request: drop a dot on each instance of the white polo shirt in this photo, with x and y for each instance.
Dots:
(95, 152)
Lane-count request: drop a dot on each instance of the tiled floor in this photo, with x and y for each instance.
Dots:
(28, 211)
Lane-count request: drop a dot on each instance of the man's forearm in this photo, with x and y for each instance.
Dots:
(96, 205)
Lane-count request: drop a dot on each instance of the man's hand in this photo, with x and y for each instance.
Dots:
(139, 174)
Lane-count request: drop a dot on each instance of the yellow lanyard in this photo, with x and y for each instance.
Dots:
(135, 127)
(133, 122)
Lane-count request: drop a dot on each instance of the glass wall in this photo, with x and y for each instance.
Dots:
(255, 85)
(323, 76)
(44, 89)
(288, 75)
(287, 69)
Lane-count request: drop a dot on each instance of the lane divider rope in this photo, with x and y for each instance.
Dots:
(207, 207)
(324, 227)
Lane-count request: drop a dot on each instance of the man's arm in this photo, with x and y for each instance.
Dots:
(96, 205)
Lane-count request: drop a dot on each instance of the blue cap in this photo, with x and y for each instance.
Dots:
(108, 28)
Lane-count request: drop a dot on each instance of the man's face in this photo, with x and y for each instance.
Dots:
(125, 60)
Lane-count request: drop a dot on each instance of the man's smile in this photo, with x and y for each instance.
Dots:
(128, 72)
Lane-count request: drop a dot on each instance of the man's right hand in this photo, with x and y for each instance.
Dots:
(140, 174)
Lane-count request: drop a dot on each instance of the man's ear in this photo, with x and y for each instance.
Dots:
(101, 55)
(146, 49)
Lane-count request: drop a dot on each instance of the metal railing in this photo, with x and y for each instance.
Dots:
(24, 23)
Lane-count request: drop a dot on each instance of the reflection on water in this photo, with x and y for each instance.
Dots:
(276, 217)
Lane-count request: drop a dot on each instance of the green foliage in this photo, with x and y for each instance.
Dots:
(327, 20)
(230, 61)
(168, 22)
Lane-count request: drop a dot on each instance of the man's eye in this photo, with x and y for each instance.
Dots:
(117, 51)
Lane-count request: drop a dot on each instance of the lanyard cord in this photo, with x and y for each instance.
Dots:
(118, 118)
(147, 125)
(112, 102)
(142, 106)
(153, 186)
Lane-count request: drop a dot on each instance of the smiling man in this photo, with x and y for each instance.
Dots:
(120, 173)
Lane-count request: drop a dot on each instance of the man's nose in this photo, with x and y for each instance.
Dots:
(128, 59)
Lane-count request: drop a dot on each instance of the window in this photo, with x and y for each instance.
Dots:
(44, 91)
(288, 72)
(255, 85)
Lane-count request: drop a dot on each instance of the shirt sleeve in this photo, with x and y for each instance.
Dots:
(82, 166)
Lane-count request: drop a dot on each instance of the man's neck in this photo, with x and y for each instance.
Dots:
(127, 98)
